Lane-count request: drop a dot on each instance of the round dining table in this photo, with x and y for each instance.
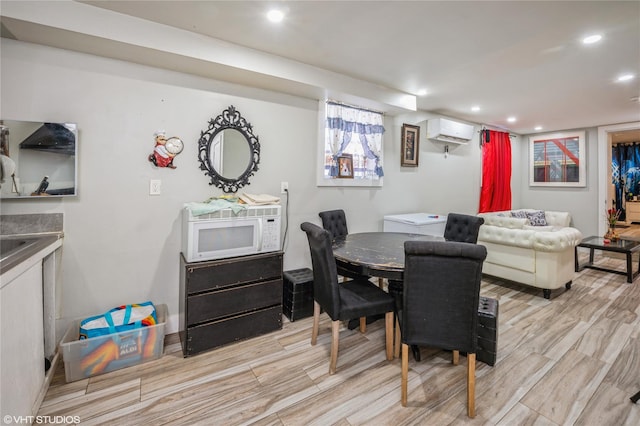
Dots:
(374, 254)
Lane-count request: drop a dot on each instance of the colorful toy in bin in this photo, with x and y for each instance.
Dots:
(131, 338)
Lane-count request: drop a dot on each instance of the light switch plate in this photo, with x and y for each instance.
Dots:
(154, 186)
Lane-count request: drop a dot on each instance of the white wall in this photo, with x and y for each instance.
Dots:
(121, 244)
(580, 202)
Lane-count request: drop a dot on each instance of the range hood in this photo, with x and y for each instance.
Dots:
(51, 137)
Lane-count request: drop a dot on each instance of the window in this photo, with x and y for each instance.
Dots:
(355, 132)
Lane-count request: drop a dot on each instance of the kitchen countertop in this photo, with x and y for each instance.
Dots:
(46, 242)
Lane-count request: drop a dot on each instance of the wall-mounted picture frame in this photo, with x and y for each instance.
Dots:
(345, 166)
(410, 145)
(557, 159)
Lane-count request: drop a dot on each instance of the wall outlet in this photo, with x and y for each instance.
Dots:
(284, 187)
(154, 186)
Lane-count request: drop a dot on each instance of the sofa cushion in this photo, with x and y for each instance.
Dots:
(504, 221)
(553, 218)
(537, 218)
(558, 218)
(520, 214)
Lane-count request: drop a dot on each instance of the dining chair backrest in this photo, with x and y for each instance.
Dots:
(335, 222)
(325, 275)
(441, 294)
(462, 228)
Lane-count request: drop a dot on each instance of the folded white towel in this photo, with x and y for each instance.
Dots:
(259, 199)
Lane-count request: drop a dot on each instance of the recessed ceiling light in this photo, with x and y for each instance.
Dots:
(422, 92)
(275, 15)
(537, 128)
(625, 77)
(592, 39)
(475, 108)
(511, 119)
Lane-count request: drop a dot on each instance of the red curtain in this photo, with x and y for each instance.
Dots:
(495, 194)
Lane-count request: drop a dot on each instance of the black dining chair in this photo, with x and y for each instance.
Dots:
(462, 228)
(440, 306)
(459, 228)
(357, 298)
(334, 221)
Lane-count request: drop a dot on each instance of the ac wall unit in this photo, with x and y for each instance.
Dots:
(443, 130)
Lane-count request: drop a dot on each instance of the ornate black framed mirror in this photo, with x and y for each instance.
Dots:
(228, 151)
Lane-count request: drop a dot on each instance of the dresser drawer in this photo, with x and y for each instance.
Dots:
(230, 272)
(231, 301)
(633, 206)
(217, 333)
(633, 211)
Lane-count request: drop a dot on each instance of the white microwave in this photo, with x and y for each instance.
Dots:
(222, 234)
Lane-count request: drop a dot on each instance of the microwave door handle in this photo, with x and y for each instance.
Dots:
(259, 229)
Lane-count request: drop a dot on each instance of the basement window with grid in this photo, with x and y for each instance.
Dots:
(353, 142)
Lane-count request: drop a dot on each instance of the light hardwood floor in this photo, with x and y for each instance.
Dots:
(574, 359)
(631, 230)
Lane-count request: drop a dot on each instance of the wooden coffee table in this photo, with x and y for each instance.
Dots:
(628, 247)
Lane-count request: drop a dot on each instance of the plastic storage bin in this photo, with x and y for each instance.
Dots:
(103, 354)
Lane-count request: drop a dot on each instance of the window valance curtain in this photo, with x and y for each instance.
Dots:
(347, 124)
(495, 194)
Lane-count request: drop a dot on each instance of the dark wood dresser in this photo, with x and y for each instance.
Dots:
(227, 300)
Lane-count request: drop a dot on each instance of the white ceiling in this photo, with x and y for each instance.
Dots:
(518, 58)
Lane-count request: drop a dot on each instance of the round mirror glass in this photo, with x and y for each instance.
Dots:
(230, 154)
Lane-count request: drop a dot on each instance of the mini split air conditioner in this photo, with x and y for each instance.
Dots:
(443, 130)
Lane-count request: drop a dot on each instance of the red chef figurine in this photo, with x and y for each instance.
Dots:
(165, 150)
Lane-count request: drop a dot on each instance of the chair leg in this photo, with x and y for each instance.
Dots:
(396, 351)
(388, 322)
(316, 322)
(405, 373)
(471, 385)
(335, 334)
(363, 324)
(381, 283)
(456, 357)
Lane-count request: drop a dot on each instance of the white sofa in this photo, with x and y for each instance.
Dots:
(540, 256)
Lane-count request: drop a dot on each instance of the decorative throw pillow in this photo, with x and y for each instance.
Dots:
(537, 218)
(519, 214)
